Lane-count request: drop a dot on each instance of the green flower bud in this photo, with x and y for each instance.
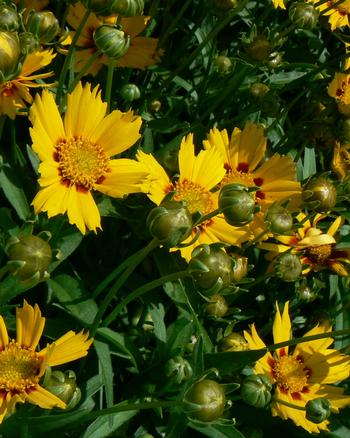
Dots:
(205, 400)
(237, 204)
(274, 60)
(112, 41)
(63, 386)
(320, 194)
(178, 369)
(226, 5)
(279, 219)
(260, 48)
(223, 64)
(256, 390)
(99, 7)
(29, 43)
(44, 25)
(8, 18)
(217, 306)
(303, 15)
(233, 342)
(30, 256)
(130, 92)
(287, 267)
(10, 55)
(344, 129)
(210, 268)
(258, 90)
(127, 8)
(318, 410)
(170, 223)
(240, 268)
(306, 294)
(155, 105)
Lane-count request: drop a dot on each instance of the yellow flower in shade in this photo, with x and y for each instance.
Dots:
(14, 94)
(336, 11)
(301, 375)
(341, 160)
(198, 176)
(317, 250)
(339, 89)
(141, 54)
(22, 365)
(279, 4)
(76, 155)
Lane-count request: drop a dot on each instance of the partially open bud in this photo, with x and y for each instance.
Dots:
(205, 400)
(223, 63)
(130, 92)
(318, 410)
(178, 369)
(305, 293)
(287, 267)
(258, 90)
(155, 105)
(30, 257)
(217, 306)
(29, 43)
(320, 194)
(260, 48)
(112, 41)
(256, 390)
(279, 219)
(8, 18)
(233, 342)
(303, 15)
(240, 267)
(170, 223)
(63, 385)
(10, 54)
(237, 204)
(127, 8)
(44, 25)
(210, 268)
(225, 5)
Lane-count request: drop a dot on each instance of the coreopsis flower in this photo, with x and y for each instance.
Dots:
(301, 375)
(339, 89)
(198, 176)
(142, 52)
(14, 94)
(317, 250)
(336, 11)
(76, 155)
(279, 4)
(23, 365)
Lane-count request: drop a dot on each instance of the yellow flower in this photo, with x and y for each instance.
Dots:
(337, 11)
(141, 54)
(317, 249)
(198, 176)
(14, 94)
(76, 155)
(22, 366)
(341, 160)
(279, 4)
(301, 375)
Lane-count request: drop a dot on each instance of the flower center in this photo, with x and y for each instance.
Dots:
(343, 92)
(195, 196)
(319, 254)
(19, 368)
(245, 178)
(7, 89)
(81, 162)
(290, 373)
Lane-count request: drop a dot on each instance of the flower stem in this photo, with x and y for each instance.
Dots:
(142, 290)
(120, 282)
(290, 405)
(84, 70)
(109, 83)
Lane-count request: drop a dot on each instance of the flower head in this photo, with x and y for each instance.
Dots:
(303, 374)
(336, 11)
(22, 365)
(279, 4)
(339, 89)
(76, 155)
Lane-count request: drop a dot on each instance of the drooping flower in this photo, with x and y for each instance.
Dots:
(336, 11)
(14, 94)
(303, 374)
(317, 250)
(141, 54)
(279, 4)
(76, 155)
(22, 365)
(198, 176)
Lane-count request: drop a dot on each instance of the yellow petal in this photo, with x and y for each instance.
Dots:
(43, 398)
(82, 210)
(4, 338)
(282, 328)
(29, 325)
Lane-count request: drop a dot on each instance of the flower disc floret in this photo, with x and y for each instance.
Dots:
(290, 373)
(196, 197)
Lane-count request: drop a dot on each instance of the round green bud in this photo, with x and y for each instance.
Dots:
(155, 105)
(259, 49)
(320, 194)
(10, 55)
(29, 43)
(217, 306)
(170, 223)
(225, 5)
(318, 410)
(287, 267)
(233, 342)
(63, 385)
(344, 129)
(33, 255)
(305, 293)
(274, 60)
(127, 8)
(8, 18)
(99, 7)
(258, 90)
(256, 390)
(44, 25)
(112, 41)
(178, 369)
(205, 400)
(130, 92)
(237, 204)
(279, 219)
(223, 63)
(303, 15)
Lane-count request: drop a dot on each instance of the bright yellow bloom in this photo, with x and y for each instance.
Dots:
(337, 12)
(76, 155)
(279, 4)
(317, 250)
(22, 366)
(198, 176)
(141, 54)
(14, 94)
(301, 375)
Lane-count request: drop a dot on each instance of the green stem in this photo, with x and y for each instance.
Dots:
(142, 290)
(208, 216)
(2, 124)
(109, 83)
(290, 405)
(84, 70)
(68, 59)
(119, 283)
(173, 24)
